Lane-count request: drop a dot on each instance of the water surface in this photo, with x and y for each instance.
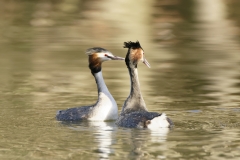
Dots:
(193, 49)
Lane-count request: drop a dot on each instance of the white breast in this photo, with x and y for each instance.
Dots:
(105, 109)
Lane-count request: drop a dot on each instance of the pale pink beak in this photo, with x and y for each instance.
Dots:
(115, 57)
(146, 63)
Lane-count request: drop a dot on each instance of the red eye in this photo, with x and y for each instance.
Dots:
(107, 55)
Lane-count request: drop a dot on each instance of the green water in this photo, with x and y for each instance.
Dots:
(193, 48)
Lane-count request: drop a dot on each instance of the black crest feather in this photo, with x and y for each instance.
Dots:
(133, 45)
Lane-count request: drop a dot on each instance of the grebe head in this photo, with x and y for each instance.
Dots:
(135, 54)
(98, 55)
(101, 55)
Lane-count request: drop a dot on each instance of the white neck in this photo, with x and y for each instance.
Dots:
(106, 107)
(100, 83)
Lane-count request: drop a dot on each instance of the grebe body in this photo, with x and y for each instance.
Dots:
(106, 107)
(134, 112)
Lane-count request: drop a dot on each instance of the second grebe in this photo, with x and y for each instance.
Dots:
(106, 107)
(134, 112)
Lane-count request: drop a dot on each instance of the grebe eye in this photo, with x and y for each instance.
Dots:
(107, 55)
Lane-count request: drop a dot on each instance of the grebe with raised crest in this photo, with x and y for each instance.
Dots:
(134, 112)
(106, 107)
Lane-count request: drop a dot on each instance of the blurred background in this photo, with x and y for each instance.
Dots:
(193, 47)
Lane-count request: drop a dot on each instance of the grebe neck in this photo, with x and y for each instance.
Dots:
(100, 83)
(135, 101)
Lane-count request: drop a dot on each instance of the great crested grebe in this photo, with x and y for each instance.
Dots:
(134, 112)
(106, 107)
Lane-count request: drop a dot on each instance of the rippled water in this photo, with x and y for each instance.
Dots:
(192, 46)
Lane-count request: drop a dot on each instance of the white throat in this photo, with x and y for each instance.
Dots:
(100, 83)
(106, 107)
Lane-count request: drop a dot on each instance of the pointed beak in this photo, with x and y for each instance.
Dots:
(146, 63)
(112, 57)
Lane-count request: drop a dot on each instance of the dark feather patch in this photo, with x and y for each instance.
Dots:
(133, 45)
(95, 63)
(136, 119)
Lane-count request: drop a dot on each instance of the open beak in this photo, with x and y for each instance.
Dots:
(112, 57)
(146, 63)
